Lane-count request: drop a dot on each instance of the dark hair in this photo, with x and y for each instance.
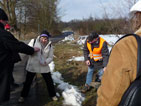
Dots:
(92, 36)
(3, 15)
(45, 32)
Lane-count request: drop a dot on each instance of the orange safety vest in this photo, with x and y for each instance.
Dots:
(96, 52)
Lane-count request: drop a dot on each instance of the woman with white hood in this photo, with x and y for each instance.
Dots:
(39, 63)
(122, 66)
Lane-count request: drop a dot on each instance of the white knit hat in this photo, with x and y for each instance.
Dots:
(135, 8)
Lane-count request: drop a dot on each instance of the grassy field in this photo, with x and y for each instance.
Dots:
(73, 72)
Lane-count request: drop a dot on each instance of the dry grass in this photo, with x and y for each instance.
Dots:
(72, 71)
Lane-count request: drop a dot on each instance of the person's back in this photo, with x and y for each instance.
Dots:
(120, 73)
(117, 77)
(6, 38)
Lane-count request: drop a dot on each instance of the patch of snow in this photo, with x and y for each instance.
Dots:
(70, 93)
(81, 58)
(110, 38)
(72, 96)
(69, 38)
(82, 39)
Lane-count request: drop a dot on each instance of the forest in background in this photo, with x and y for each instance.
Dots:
(26, 16)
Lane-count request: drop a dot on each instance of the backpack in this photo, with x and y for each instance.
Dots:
(34, 42)
(132, 96)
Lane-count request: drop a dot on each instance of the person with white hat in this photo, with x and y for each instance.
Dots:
(122, 66)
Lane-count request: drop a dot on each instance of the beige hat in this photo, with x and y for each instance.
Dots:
(135, 8)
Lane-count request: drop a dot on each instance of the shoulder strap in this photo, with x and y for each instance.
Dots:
(138, 38)
(34, 42)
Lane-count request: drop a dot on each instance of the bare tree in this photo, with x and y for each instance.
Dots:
(32, 14)
(42, 14)
(9, 7)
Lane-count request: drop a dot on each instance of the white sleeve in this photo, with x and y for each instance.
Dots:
(31, 42)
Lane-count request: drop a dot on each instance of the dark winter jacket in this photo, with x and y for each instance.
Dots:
(9, 49)
(104, 52)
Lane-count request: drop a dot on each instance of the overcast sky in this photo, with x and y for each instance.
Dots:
(80, 9)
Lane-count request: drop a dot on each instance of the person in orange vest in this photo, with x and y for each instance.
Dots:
(96, 56)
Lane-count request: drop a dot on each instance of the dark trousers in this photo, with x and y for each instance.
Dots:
(5, 74)
(11, 77)
(29, 78)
